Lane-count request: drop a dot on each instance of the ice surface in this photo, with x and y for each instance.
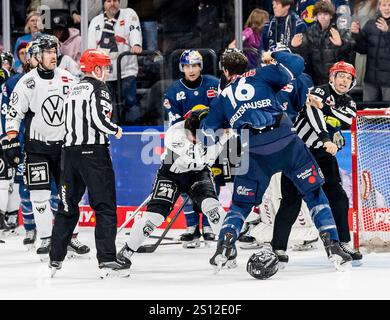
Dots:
(176, 273)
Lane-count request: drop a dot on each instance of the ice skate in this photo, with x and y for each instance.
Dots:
(77, 249)
(340, 259)
(54, 266)
(356, 255)
(208, 235)
(29, 240)
(44, 250)
(11, 225)
(114, 269)
(282, 257)
(191, 238)
(225, 255)
(124, 255)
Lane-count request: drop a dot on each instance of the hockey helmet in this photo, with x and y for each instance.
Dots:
(190, 57)
(200, 111)
(47, 42)
(32, 49)
(342, 66)
(263, 264)
(7, 56)
(92, 58)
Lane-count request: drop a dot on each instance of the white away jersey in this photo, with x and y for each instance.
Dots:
(41, 103)
(183, 155)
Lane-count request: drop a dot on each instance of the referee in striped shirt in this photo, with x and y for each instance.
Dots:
(86, 163)
(329, 109)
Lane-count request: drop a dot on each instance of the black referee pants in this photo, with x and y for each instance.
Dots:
(290, 204)
(86, 167)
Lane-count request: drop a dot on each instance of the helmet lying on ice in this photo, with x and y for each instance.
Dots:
(263, 264)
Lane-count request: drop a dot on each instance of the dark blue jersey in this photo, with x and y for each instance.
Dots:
(7, 89)
(292, 97)
(250, 99)
(179, 99)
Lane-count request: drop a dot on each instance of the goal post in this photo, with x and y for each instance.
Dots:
(370, 149)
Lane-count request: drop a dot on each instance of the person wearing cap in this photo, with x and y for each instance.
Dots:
(323, 44)
(86, 163)
(116, 31)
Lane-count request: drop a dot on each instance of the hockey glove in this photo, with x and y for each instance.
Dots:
(11, 151)
(338, 140)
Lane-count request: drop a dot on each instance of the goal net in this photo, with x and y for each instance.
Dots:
(370, 137)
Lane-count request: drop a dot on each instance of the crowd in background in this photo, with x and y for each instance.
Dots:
(323, 32)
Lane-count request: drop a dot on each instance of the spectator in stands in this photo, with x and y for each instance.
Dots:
(21, 55)
(322, 45)
(282, 27)
(305, 9)
(363, 11)
(69, 38)
(32, 29)
(114, 32)
(374, 40)
(251, 36)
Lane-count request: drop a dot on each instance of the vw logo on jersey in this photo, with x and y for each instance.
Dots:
(2, 165)
(52, 111)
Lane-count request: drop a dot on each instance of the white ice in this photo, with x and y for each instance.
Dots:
(176, 273)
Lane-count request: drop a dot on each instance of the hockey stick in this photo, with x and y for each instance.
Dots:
(149, 248)
(131, 217)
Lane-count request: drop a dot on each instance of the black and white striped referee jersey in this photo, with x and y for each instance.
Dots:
(317, 126)
(88, 111)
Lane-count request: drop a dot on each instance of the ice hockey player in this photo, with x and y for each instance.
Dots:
(249, 102)
(87, 164)
(9, 202)
(292, 98)
(25, 203)
(329, 109)
(193, 89)
(38, 100)
(184, 169)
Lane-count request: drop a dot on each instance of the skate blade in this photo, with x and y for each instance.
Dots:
(74, 255)
(44, 257)
(250, 245)
(282, 265)
(357, 263)
(53, 272)
(220, 260)
(231, 264)
(11, 233)
(109, 273)
(30, 247)
(218, 268)
(339, 264)
(191, 244)
(304, 247)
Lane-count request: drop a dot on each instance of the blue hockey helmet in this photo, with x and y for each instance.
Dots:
(32, 49)
(190, 57)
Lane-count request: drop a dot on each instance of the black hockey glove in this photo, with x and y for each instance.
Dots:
(11, 151)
